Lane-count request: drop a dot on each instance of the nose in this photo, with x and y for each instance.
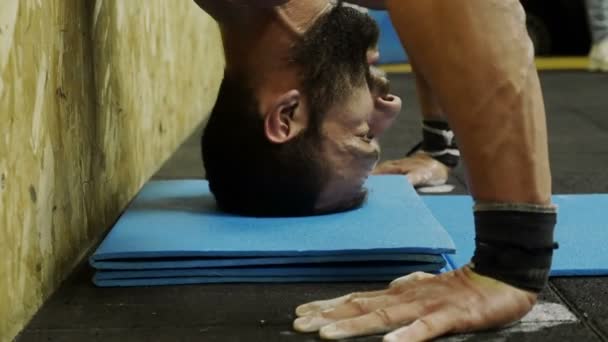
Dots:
(373, 56)
(386, 109)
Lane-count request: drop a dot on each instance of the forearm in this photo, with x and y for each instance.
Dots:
(478, 59)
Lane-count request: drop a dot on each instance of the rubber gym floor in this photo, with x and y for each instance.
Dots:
(577, 115)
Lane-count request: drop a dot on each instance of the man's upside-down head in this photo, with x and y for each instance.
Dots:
(298, 137)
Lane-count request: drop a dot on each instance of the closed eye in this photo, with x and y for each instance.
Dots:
(368, 137)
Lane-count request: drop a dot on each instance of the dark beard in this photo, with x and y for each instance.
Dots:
(332, 57)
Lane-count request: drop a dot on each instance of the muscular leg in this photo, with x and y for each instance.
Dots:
(481, 68)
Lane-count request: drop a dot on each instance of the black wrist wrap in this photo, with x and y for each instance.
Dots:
(515, 247)
(438, 142)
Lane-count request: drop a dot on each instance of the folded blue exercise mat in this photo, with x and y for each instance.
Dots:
(307, 270)
(212, 262)
(175, 225)
(324, 272)
(581, 231)
(224, 280)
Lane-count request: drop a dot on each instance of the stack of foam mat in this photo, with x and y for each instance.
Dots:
(172, 233)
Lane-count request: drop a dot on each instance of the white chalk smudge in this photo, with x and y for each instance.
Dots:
(546, 312)
(544, 315)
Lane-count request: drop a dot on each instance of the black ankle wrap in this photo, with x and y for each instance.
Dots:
(438, 142)
(515, 246)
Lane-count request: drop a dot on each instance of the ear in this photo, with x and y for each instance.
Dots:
(285, 117)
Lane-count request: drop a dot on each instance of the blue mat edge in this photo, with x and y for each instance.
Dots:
(283, 271)
(155, 255)
(226, 280)
(154, 264)
(561, 272)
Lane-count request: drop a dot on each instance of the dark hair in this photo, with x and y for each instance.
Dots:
(250, 175)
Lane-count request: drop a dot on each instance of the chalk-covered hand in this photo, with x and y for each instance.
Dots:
(420, 169)
(418, 307)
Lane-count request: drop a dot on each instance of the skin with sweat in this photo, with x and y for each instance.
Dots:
(493, 102)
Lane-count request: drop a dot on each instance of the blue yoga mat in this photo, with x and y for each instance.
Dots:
(175, 224)
(175, 277)
(268, 271)
(173, 219)
(581, 231)
(151, 264)
(224, 280)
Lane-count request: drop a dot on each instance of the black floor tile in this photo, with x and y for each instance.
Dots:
(589, 297)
